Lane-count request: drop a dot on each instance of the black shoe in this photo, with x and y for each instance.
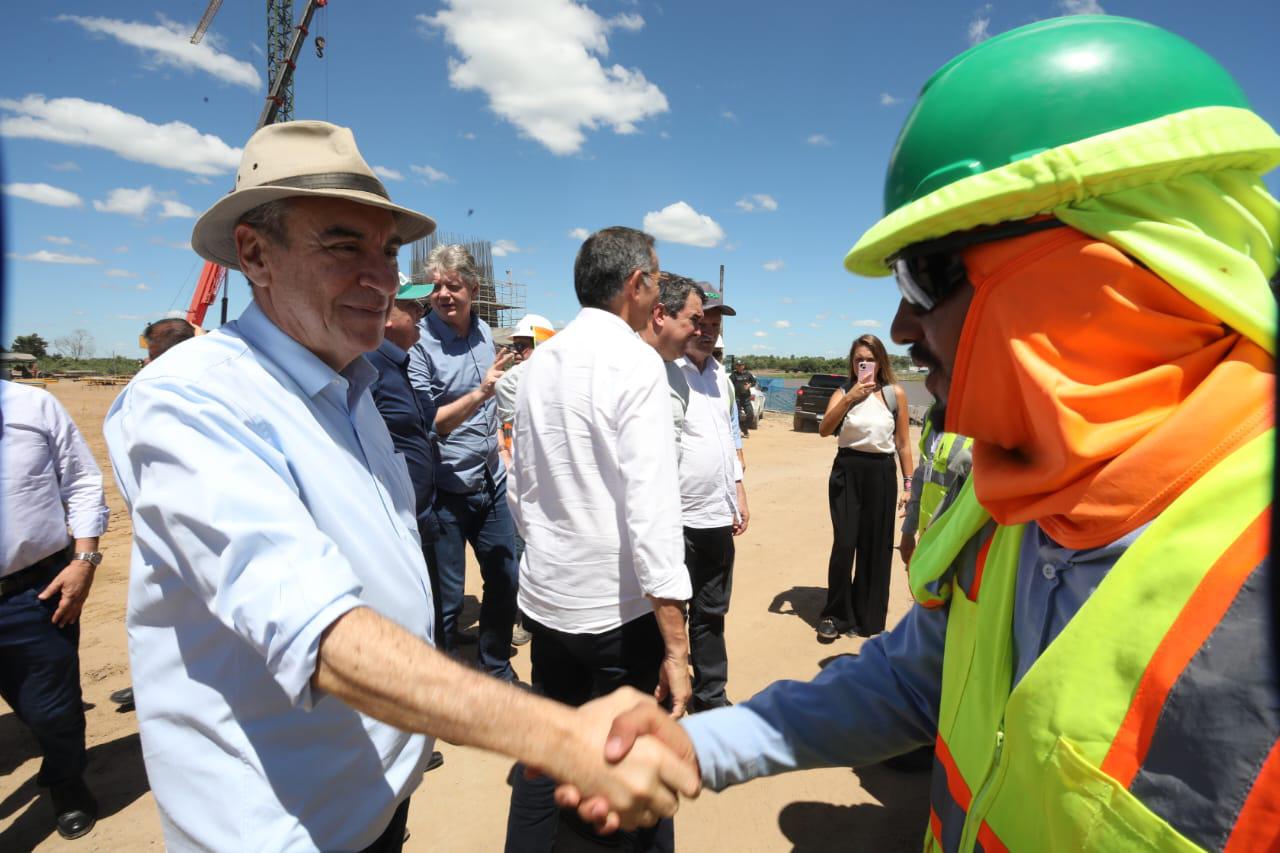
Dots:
(75, 808)
(123, 697)
(827, 630)
(437, 760)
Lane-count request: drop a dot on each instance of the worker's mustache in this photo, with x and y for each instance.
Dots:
(923, 356)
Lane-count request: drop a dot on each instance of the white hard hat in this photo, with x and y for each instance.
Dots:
(534, 326)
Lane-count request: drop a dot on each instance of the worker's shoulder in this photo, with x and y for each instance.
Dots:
(218, 367)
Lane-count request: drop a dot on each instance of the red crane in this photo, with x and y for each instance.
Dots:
(280, 69)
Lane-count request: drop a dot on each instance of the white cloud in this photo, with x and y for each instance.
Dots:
(782, 324)
(760, 334)
(815, 325)
(502, 248)
(57, 241)
(820, 317)
(579, 233)
(180, 245)
(169, 44)
(786, 300)
(773, 266)
(728, 115)
(120, 250)
(758, 201)
(887, 100)
(760, 347)
(866, 324)
(141, 287)
(127, 202)
(388, 174)
(680, 223)
(538, 62)
(429, 174)
(65, 166)
(980, 25)
(1081, 7)
(44, 194)
(199, 180)
(46, 257)
(75, 121)
(170, 209)
(116, 272)
(818, 139)
(137, 202)
(662, 134)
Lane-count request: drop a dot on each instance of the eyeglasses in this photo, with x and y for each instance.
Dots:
(521, 346)
(927, 272)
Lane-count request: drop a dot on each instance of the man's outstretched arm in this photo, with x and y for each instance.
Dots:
(378, 668)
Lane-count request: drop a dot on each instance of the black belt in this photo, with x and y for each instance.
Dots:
(37, 574)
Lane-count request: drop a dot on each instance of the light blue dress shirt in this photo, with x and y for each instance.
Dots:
(884, 701)
(267, 500)
(445, 366)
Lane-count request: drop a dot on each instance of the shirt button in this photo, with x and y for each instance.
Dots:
(1050, 571)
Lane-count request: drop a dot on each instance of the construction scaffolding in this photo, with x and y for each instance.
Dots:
(499, 303)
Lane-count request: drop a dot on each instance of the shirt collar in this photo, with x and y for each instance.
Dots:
(602, 317)
(300, 364)
(393, 353)
(686, 363)
(444, 332)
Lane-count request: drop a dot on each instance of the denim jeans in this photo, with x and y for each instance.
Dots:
(483, 520)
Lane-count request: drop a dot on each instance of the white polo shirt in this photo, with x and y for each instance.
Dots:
(709, 466)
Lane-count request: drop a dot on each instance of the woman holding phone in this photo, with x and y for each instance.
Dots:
(869, 419)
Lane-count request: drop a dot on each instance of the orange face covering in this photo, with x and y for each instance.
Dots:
(1095, 392)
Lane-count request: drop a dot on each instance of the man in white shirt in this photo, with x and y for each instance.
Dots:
(714, 503)
(280, 613)
(673, 323)
(594, 492)
(49, 484)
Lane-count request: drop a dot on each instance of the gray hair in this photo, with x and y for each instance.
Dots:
(268, 219)
(454, 258)
(605, 261)
(673, 292)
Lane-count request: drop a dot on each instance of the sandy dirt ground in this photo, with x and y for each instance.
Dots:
(779, 588)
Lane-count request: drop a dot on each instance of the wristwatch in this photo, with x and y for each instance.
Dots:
(93, 558)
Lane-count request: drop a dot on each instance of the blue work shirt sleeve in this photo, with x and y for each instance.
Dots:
(859, 710)
(422, 376)
(215, 503)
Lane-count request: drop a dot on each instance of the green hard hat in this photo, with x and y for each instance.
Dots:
(1044, 85)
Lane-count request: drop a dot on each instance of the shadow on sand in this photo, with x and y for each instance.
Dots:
(896, 823)
(805, 602)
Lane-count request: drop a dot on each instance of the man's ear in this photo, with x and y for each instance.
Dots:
(635, 285)
(251, 249)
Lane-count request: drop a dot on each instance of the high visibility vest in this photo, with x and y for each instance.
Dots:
(940, 476)
(1150, 722)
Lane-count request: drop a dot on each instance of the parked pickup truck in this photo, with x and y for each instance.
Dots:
(812, 399)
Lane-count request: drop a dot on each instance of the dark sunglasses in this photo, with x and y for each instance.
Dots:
(521, 346)
(928, 271)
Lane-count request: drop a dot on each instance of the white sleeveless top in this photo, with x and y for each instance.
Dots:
(869, 425)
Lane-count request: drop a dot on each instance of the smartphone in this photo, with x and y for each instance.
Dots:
(866, 370)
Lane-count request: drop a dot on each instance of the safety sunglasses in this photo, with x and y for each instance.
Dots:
(928, 271)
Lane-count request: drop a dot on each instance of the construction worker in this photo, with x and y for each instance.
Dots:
(945, 461)
(1083, 242)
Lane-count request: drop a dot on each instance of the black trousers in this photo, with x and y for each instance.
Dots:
(392, 838)
(708, 554)
(862, 493)
(574, 669)
(40, 674)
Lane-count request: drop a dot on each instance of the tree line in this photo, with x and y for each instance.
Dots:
(811, 363)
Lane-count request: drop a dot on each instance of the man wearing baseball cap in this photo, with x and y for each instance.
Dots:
(280, 613)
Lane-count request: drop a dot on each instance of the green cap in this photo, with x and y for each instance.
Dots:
(1042, 86)
(409, 290)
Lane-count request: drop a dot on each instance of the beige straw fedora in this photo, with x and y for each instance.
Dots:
(297, 158)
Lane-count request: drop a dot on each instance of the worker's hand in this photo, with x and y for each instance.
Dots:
(635, 786)
(903, 497)
(740, 523)
(638, 725)
(494, 373)
(674, 682)
(907, 547)
(73, 584)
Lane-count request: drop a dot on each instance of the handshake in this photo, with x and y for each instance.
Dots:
(629, 762)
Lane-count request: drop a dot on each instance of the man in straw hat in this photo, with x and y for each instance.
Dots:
(1092, 653)
(279, 608)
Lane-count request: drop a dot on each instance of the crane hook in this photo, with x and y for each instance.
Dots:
(319, 47)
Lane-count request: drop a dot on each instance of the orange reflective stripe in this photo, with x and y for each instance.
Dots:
(955, 782)
(1258, 824)
(989, 841)
(1193, 625)
(935, 826)
(972, 594)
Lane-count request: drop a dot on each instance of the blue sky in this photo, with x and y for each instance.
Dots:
(746, 134)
